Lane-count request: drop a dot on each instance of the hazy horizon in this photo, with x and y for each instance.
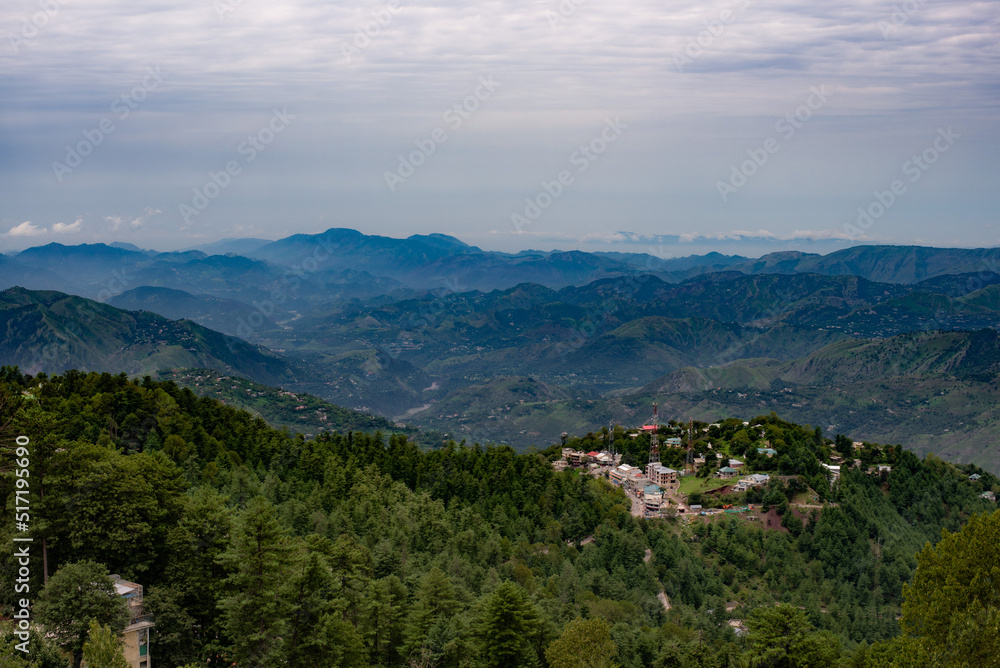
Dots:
(754, 247)
(547, 125)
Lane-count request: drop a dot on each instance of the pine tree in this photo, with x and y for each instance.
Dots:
(435, 600)
(953, 604)
(382, 614)
(510, 630)
(309, 591)
(195, 572)
(254, 616)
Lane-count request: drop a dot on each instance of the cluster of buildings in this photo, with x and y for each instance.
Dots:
(592, 460)
(648, 485)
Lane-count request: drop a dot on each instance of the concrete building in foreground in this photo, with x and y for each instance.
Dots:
(136, 634)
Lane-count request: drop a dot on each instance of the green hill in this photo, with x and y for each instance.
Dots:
(44, 331)
(354, 549)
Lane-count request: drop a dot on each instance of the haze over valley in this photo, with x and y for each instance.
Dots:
(887, 343)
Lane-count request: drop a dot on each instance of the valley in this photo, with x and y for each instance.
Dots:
(885, 343)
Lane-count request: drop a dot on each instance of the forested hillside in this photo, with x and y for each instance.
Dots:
(260, 548)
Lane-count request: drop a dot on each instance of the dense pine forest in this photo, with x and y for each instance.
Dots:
(258, 547)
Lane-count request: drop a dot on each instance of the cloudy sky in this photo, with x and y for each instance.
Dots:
(678, 126)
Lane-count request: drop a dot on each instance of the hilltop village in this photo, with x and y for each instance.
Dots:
(699, 470)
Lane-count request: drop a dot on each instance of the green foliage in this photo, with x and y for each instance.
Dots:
(103, 647)
(105, 506)
(953, 604)
(42, 652)
(77, 594)
(782, 637)
(433, 605)
(900, 652)
(354, 549)
(584, 643)
(509, 630)
(255, 618)
(175, 631)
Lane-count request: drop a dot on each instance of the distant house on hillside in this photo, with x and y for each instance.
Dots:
(758, 479)
(833, 470)
(727, 472)
(769, 452)
(989, 496)
(975, 476)
(753, 480)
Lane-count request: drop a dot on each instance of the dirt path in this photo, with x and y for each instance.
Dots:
(649, 555)
(664, 600)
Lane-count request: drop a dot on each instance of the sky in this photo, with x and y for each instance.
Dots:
(647, 126)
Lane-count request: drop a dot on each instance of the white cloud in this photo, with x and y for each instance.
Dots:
(119, 222)
(27, 229)
(68, 228)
